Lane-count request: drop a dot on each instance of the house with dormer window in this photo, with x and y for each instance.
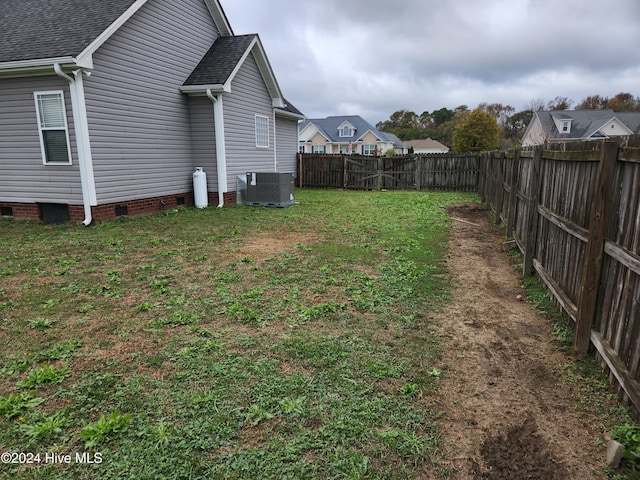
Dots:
(347, 135)
(346, 130)
(572, 125)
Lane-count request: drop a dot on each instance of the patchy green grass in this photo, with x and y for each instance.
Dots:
(227, 343)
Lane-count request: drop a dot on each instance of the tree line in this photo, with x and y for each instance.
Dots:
(442, 124)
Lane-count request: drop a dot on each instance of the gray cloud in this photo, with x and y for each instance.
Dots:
(372, 58)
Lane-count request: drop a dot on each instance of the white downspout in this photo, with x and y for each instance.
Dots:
(81, 124)
(221, 155)
(275, 143)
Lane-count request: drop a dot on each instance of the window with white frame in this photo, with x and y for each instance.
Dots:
(346, 131)
(318, 149)
(301, 149)
(52, 124)
(262, 131)
(368, 149)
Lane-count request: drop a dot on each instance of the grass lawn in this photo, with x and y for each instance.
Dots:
(236, 343)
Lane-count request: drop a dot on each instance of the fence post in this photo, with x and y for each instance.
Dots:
(482, 176)
(380, 167)
(532, 213)
(343, 173)
(601, 211)
(299, 170)
(418, 182)
(499, 186)
(513, 181)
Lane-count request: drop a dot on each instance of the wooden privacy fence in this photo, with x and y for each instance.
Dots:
(574, 212)
(420, 172)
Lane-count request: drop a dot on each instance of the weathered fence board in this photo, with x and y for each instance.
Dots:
(451, 172)
(598, 222)
(578, 226)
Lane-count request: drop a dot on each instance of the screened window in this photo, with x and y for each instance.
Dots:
(52, 123)
(319, 149)
(262, 131)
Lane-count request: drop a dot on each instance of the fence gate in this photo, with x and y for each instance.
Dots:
(378, 173)
(441, 171)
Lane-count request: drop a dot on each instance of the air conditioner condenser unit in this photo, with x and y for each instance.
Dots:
(270, 189)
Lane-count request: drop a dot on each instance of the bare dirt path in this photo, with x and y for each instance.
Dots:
(509, 414)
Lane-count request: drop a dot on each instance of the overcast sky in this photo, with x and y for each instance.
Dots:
(374, 57)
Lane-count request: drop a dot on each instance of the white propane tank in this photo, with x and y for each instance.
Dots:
(200, 195)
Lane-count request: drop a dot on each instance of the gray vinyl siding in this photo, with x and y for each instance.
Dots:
(203, 139)
(287, 146)
(249, 97)
(23, 177)
(138, 118)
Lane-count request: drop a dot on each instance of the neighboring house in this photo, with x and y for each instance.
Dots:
(399, 147)
(345, 134)
(427, 146)
(570, 125)
(107, 107)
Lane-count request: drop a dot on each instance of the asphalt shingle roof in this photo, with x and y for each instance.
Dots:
(427, 143)
(329, 128)
(34, 29)
(289, 107)
(220, 61)
(585, 123)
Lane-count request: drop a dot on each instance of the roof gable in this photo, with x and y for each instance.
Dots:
(308, 130)
(222, 62)
(614, 127)
(373, 133)
(631, 120)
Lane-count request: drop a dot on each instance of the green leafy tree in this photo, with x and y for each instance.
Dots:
(479, 131)
(404, 124)
(444, 132)
(425, 120)
(514, 128)
(442, 116)
(399, 119)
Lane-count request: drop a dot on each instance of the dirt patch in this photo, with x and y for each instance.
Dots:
(521, 452)
(508, 412)
(264, 245)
